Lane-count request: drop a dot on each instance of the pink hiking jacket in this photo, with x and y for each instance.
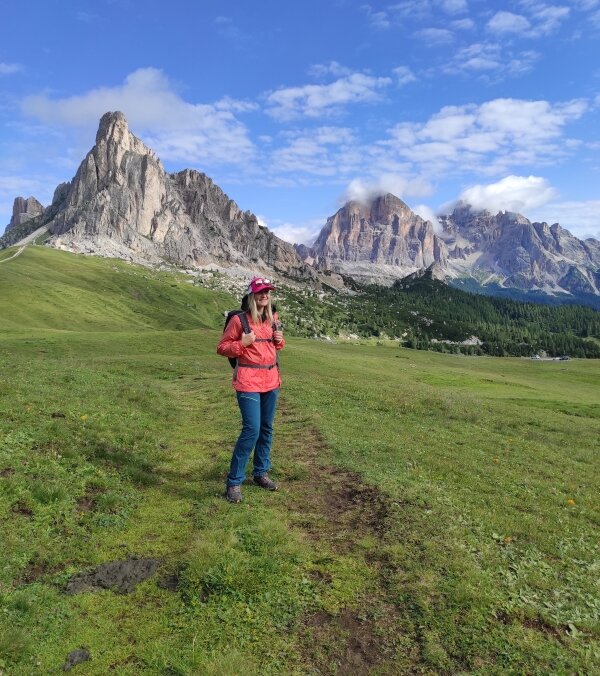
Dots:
(263, 352)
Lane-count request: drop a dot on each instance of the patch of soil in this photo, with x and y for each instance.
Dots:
(170, 581)
(121, 577)
(58, 414)
(541, 625)
(351, 645)
(88, 501)
(38, 569)
(76, 657)
(345, 507)
(7, 471)
(535, 623)
(503, 617)
(337, 507)
(129, 662)
(21, 508)
(320, 576)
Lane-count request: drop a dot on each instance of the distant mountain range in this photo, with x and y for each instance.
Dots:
(384, 240)
(122, 203)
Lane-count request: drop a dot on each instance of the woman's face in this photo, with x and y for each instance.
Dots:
(262, 299)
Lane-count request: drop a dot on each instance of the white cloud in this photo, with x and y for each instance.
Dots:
(175, 129)
(428, 214)
(377, 19)
(487, 138)
(296, 233)
(585, 5)
(411, 9)
(548, 19)
(512, 193)
(321, 70)
(404, 75)
(453, 6)
(489, 60)
(581, 218)
(432, 37)
(235, 105)
(475, 58)
(9, 68)
(463, 24)
(317, 100)
(324, 151)
(507, 22)
(543, 20)
(362, 190)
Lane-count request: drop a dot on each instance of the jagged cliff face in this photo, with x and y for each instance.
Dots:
(384, 240)
(24, 210)
(513, 251)
(378, 240)
(121, 200)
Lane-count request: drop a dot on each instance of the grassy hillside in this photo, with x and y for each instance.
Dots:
(437, 513)
(49, 289)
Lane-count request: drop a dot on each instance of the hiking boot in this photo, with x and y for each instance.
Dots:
(264, 482)
(234, 494)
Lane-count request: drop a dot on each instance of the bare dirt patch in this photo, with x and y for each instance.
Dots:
(89, 500)
(352, 645)
(538, 624)
(535, 623)
(21, 508)
(337, 508)
(332, 503)
(37, 570)
(121, 577)
(170, 581)
(76, 657)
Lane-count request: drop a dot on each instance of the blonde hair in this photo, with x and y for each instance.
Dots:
(267, 314)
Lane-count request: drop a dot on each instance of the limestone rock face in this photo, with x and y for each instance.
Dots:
(514, 252)
(377, 240)
(24, 210)
(384, 240)
(122, 200)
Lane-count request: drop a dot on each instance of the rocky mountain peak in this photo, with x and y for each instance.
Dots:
(380, 239)
(113, 126)
(24, 209)
(508, 249)
(123, 203)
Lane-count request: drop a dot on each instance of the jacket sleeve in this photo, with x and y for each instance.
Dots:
(230, 344)
(281, 345)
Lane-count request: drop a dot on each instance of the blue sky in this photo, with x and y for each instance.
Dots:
(292, 107)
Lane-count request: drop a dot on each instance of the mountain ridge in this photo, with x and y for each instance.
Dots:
(122, 203)
(505, 249)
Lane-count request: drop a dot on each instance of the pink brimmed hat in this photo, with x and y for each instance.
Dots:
(258, 284)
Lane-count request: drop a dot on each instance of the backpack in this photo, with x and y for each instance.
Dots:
(244, 320)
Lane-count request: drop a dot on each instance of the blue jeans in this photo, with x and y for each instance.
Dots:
(258, 411)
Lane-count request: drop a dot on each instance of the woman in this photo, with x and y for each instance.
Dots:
(256, 382)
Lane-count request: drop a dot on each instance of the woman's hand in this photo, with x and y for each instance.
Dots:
(248, 338)
(278, 336)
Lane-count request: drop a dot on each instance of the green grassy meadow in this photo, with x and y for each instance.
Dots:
(438, 514)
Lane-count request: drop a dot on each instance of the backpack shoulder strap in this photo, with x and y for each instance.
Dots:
(244, 321)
